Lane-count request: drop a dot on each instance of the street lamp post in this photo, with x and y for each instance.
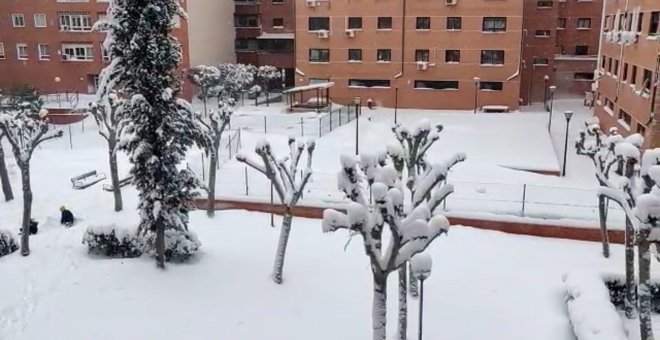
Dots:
(396, 103)
(546, 79)
(552, 100)
(568, 115)
(420, 266)
(476, 91)
(357, 101)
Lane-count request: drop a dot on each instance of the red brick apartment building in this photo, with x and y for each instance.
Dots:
(560, 47)
(265, 34)
(629, 62)
(427, 52)
(49, 44)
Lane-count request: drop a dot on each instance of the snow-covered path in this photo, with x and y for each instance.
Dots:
(484, 285)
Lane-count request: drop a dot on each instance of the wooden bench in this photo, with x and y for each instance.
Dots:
(87, 179)
(495, 108)
(122, 183)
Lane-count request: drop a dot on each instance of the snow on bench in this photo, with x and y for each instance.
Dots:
(495, 108)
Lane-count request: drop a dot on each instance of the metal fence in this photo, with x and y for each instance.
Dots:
(525, 200)
(62, 99)
(229, 147)
(310, 125)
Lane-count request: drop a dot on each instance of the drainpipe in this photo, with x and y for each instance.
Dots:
(600, 45)
(621, 54)
(403, 37)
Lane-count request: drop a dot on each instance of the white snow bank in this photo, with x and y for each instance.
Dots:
(590, 310)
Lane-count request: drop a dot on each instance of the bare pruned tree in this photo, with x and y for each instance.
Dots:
(282, 173)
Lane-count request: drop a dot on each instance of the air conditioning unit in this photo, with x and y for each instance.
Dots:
(609, 36)
(451, 2)
(629, 37)
(616, 36)
(312, 3)
(64, 28)
(323, 34)
(422, 65)
(65, 56)
(350, 33)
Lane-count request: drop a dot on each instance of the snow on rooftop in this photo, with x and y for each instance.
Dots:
(309, 87)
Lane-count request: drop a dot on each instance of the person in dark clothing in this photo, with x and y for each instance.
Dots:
(67, 217)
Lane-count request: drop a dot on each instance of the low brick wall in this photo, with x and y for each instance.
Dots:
(511, 227)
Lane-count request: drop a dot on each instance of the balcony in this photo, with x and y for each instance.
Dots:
(281, 59)
(246, 7)
(248, 32)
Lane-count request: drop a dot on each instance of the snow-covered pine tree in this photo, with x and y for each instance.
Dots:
(25, 129)
(107, 113)
(288, 186)
(411, 229)
(598, 147)
(159, 126)
(204, 78)
(410, 162)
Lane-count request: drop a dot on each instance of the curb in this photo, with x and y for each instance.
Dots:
(518, 228)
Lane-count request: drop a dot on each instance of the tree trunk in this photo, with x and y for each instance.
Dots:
(379, 307)
(160, 245)
(281, 247)
(413, 284)
(4, 177)
(602, 218)
(644, 295)
(27, 210)
(114, 176)
(402, 326)
(630, 301)
(213, 163)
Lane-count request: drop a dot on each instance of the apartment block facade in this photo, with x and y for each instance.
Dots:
(49, 44)
(560, 47)
(627, 88)
(265, 34)
(412, 53)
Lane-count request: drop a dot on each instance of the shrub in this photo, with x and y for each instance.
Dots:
(8, 243)
(112, 241)
(180, 245)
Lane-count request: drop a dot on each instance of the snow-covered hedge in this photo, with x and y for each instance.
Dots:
(8, 243)
(590, 310)
(112, 241)
(179, 245)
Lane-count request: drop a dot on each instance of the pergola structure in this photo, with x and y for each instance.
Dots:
(322, 96)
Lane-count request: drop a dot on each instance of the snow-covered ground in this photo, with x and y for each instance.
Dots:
(510, 289)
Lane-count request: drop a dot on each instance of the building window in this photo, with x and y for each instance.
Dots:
(278, 23)
(319, 24)
(494, 24)
(43, 52)
(647, 78)
(278, 2)
(492, 57)
(437, 84)
(22, 51)
(354, 54)
(2, 50)
(654, 25)
(616, 68)
(384, 55)
(641, 129)
(625, 72)
(633, 75)
(246, 21)
(584, 23)
(542, 33)
(423, 23)
(246, 44)
(603, 63)
(640, 22)
(105, 56)
(625, 117)
(319, 55)
(544, 4)
(355, 23)
(384, 23)
(452, 56)
(561, 23)
(40, 20)
(313, 81)
(75, 22)
(540, 61)
(368, 83)
(581, 50)
(422, 55)
(491, 86)
(18, 20)
(583, 76)
(454, 23)
(77, 52)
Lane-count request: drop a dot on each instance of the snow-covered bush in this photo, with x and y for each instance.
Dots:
(112, 241)
(592, 314)
(180, 245)
(8, 243)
